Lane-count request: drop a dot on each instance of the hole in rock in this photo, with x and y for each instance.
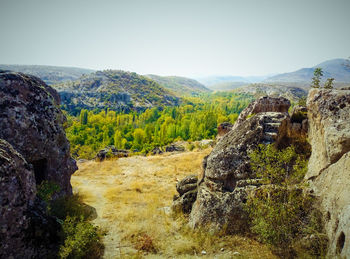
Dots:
(40, 170)
(340, 242)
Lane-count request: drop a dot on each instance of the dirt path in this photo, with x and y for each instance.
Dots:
(114, 188)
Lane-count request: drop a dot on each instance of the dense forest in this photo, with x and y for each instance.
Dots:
(197, 118)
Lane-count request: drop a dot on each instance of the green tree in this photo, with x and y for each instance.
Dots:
(318, 73)
(84, 117)
(139, 138)
(118, 140)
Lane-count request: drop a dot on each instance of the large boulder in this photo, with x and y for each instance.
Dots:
(33, 149)
(31, 121)
(17, 194)
(329, 164)
(227, 176)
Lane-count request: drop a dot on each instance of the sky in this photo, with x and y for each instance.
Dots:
(175, 37)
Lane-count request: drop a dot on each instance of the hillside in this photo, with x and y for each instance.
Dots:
(224, 83)
(276, 90)
(227, 86)
(114, 89)
(181, 86)
(49, 74)
(332, 68)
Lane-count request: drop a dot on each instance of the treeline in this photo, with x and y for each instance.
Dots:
(141, 132)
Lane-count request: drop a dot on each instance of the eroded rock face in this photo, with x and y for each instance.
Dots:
(227, 176)
(31, 121)
(187, 189)
(329, 164)
(17, 194)
(264, 104)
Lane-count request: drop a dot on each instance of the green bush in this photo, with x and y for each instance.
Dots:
(281, 212)
(46, 190)
(81, 239)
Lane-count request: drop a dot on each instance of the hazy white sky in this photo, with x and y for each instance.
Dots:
(178, 37)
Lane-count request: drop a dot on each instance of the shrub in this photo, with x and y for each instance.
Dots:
(46, 190)
(281, 212)
(81, 239)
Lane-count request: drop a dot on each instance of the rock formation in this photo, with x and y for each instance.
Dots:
(111, 152)
(33, 148)
(329, 164)
(227, 177)
(17, 195)
(31, 121)
(187, 189)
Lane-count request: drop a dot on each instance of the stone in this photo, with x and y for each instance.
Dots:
(263, 104)
(329, 164)
(224, 186)
(174, 148)
(111, 152)
(227, 178)
(32, 122)
(187, 189)
(33, 149)
(18, 189)
(156, 151)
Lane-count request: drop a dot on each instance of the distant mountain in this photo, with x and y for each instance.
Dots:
(114, 89)
(261, 89)
(181, 86)
(332, 68)
(49, 74)
(227, 86)
(226, 83)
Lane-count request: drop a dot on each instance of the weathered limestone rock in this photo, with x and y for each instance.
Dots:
(31, 121)
(329, 164)
(264, 104)
(187, 189)
(17, 194)
(227, 177)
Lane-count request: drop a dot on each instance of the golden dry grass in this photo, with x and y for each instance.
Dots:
(132, 198)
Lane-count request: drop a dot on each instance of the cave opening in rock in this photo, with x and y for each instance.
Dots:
(40, 170)
(340, 242)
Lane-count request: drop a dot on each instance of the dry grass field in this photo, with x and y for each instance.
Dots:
(132, 197)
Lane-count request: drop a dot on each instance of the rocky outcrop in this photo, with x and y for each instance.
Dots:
(33, 148)
(227, 177)
(329, 164)
(187, 189)
(263, 104)
(174, 147)
(31, 121)
(111, 152)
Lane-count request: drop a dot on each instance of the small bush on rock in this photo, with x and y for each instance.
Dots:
(281, 211)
